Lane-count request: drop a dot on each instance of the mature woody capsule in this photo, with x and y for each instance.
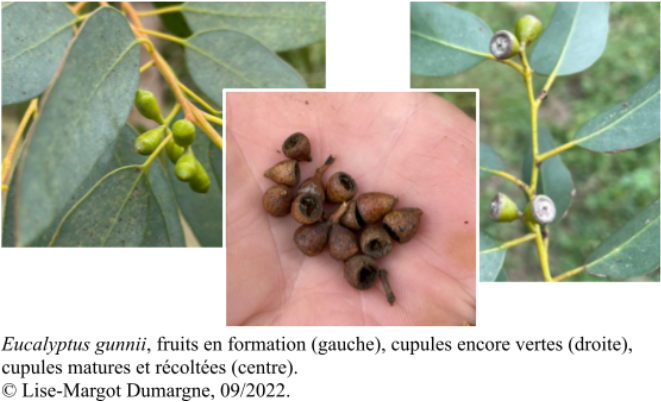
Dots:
(361, 271)
(311, 239)
(402, 224)
(307, 208)
(375, 242)
(297, 147)
(350, 218)
(286, 172)
(343, 243)
(314, 185)
(374, 206)
(277, 200)
(341, 187)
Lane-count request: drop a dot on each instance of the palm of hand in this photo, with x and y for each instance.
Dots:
(416, 146)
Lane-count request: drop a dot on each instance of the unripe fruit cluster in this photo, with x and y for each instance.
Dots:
(178, 148)
(367, 224)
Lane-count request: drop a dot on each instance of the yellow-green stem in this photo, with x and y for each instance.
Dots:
(213, 119)
(543, 255)
(7, 162)
(146, 66)
(197, 98)
(555, 151)
(161, 35)
(172, 114)
(154, 154)
(158, 11)
(511, 178)
(511, 243)
(207, 128)
(568, 274)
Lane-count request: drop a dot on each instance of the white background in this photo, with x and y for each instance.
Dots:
(96, 294)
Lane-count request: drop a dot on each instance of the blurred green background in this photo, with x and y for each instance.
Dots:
(611, 188)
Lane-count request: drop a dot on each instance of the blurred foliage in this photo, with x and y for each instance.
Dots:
(611, 188)
(466, 101)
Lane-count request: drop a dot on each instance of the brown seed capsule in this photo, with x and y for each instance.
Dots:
(286, 172)
(278, 200)
(343, 243)
(402, 224)
(361, 271)
(307, 208)
(350, 218)
(390, 296)
(297, 147)
(314, 185)
(340, 187)
(375, 242)
(374, 206)
(311, 239)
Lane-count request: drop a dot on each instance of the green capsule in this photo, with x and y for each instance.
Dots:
(503, 209)
(528, 28)
(146, 104)
(200, 182)
(186, 167)
(147, 142)
(184, 132)
(173, 151)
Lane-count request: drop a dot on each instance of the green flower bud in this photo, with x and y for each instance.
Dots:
(540, 209)
(200, 182)
(146, 104)
(528, 29)
(147, 142)
(184, 132)
(503, 45)
(173, 151)
(503, 209)
(186, 167)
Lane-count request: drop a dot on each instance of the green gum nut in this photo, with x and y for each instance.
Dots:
(184, 132)
(173, 151)
(186, 167)
(200, 182)
(503, 45)
(146, 104)
(528, 29)
(503, 209)
(540, 209)
(147, 142)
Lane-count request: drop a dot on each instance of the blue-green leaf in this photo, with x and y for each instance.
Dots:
(491, 259)
(627, 125)
(554, 178)
(80, 117)
(224, 58)
(35, 37)
(489, 159)
(631, 251)
(279, 26)
(574, 40)
(446, 40)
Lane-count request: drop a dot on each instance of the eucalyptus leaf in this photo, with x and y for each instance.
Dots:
(80, 116)
(627, 125)
(489, 159)
(502, 276)
(222, 58)
(35, 37)
(203, 212)
(9, 217)
(554, 178)
(491, 260)
(631, 251)
(279, 26)
(574, 40)
(446, 40)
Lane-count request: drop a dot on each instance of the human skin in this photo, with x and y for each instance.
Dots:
(414, 145)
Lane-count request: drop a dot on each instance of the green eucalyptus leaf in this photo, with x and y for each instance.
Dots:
(554, 178)
(446, 40)
(224, 58)
(203, 212)
(279, 26)
(627, 125)
(9, 217)
(489, 159)
(35, 37)
(502, 276)
(80, 117)
(491, 260)
(631, 251)
(173, 21)
(574, 39)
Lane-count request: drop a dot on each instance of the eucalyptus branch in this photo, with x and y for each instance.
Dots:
(197, 99)
(568, 274)
(207, 128)
(159, 11)
(7, 162)
(146, 66)
(511, 178)
(511, 243)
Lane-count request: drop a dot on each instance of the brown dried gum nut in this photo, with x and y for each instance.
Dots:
(297, 147)
(343, 243)
(402, 224)
(307, 208)
(311, 239)
(341, 187)
(361, 271)
(287, 173)
(350, 218)
(278, 200)
(374, 206)
(375, 242)
(314, 185)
